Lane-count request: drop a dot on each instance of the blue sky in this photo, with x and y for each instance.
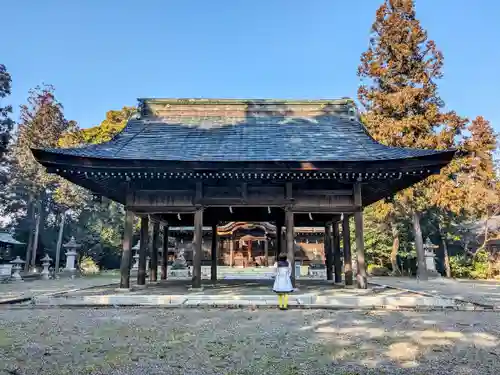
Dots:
(102, 55)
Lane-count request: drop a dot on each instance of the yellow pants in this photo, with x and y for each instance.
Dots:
(283, 300)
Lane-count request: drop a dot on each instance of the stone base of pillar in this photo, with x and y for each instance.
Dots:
(16, 278)
(433, 274)
(361, 282)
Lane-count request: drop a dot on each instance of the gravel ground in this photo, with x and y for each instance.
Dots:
(212, 341)
(483, 292)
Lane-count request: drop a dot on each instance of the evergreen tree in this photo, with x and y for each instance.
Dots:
(480, 175)
(6, 123)
(29, 192)
(400, 95)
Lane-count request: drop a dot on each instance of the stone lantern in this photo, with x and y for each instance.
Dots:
(71, 246)
(17, 266)
(136, 248)
(45, 275)
(429, 249)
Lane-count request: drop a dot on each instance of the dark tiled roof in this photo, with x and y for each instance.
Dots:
(329, 138)
(213, 130)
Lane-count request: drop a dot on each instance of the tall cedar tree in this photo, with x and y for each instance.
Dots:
(42, 124)
(6, 123)
(483, 199)
(401, 98)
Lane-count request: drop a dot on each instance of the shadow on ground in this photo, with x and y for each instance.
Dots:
(213, 341)
(228, 288)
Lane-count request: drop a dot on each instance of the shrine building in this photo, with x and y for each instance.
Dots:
(227, 163)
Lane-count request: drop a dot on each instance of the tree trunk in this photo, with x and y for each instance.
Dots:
(59, 242)
(447, 267)
(395, 249)
(37, 234)
(486, 233)
(419, 246)
(446, 258)
(31, 218)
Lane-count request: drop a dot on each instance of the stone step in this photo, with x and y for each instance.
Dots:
(311, 300)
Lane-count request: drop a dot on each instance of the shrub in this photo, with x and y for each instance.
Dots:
(88, 266)
(461, 266)
(480, 265)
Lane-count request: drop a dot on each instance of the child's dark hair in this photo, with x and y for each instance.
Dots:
(282, 257)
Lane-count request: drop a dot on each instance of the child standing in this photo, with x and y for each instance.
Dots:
(282, 282)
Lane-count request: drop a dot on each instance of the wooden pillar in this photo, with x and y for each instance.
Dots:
(337, 261)
(290, 250)
(361, 278)
(126, 260)
(143, 250)
(164, 254)
(153, 275)
(346, 235)
(266, 251)
(231, 251)
(279, 239)
(213, 271)
(249, 254)
(328, 251)
(197, 248)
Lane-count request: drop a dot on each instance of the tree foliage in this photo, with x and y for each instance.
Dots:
(97, 226)
(400, 72)
(6, 123)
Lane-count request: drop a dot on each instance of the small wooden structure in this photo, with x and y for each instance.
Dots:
(6, 243)
(211, 161)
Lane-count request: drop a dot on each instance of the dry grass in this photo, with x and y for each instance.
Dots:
(156, 341)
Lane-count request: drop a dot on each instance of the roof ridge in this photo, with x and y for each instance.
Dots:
(343, 100)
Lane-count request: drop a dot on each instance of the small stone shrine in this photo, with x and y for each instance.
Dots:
(45, 274)
(71, 253)
(16, 268)
(429, 249)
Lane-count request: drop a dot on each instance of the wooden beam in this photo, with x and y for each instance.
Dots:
(315, 192)
(213, 273)
(143, 250)
(288, 191)
(199, 192)
(244, 191)
(153, 276)
(266, 252)
(361, 278)
(164, 254)
(231, 251)
(346, 234)
(279, 237)
(337, 262)
(126, 260)
(290, 246)
(328, 251)
(197, 248)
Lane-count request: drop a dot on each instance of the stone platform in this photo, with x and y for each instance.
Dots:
(479, 292)
(249, 293)
(30, 288)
